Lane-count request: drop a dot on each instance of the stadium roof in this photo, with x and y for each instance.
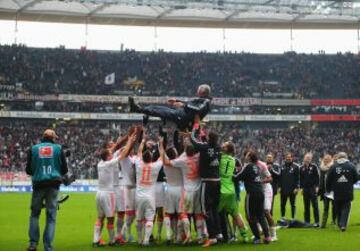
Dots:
(190, 13)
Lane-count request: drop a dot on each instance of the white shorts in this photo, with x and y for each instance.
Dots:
(160, 194)
(129, 199)
(145, 208)
(105, 204)
(173, 198)
(190, 202)
(120, 198)
(268, 194)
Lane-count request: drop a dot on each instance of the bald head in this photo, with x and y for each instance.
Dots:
(50, 134)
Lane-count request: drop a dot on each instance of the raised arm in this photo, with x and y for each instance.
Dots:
(195, 134)
(163, 157)
(141, 147)
(128, 147)
(119, 143)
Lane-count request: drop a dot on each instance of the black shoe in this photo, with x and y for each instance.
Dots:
(113, 244)
(98, 245)
(151, 240)
(31, 248)
(133, 107)
(343, 229)
(145, 120)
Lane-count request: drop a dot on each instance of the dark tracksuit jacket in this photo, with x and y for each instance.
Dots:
(341, 179)
(275, 172)
(210, 186)
(289, 181)
(182, 117)
(254, 203)
(309, 181)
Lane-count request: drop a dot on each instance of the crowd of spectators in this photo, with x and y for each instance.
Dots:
(51, 71)
(84, 139)
(57, 106)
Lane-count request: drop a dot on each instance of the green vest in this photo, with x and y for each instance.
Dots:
(227, 167)
(45, 161)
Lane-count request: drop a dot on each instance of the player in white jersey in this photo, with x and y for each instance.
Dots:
(146, 176)
(105, 196)
(172, 197)
(188, 163)
(268, 194)
(128, 182)
(120, 200)
(118, 187)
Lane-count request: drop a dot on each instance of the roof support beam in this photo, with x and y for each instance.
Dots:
(97, 9)
(26, 6)
(164, 13)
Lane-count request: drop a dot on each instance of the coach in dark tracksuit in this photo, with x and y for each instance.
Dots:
(289, 184)
(275, 171)
(309, 183)
(210, 177)
(181, 113)
(341, 179)
(254, 203)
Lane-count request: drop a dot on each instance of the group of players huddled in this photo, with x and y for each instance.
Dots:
(196, 180)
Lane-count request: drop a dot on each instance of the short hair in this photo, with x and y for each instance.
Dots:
(204, 90)
(289, 153)
(230, 148)
(104, 154)
(147, 156)
(189, 150)
(253, 156)
(342, 155)
(171, 153)
(213, 138)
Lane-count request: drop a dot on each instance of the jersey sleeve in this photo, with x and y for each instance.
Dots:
(176, 163)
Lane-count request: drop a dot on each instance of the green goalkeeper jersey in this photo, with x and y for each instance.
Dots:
(227, 167)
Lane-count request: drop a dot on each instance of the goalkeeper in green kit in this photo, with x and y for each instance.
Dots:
(228, 201)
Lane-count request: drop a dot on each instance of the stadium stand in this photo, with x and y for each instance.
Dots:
(54, 71)
(16, 136)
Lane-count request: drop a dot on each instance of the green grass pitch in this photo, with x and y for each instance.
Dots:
(76, 218)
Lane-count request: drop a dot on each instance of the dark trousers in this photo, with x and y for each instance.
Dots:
(325, 216)
(283, 201)
(272, 204)
(225, 225)
(210, 197)
(175, 115)
(343, 212)
(255, 213)
(311, 197)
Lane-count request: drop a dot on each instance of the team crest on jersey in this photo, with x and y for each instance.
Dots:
(46, 152)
